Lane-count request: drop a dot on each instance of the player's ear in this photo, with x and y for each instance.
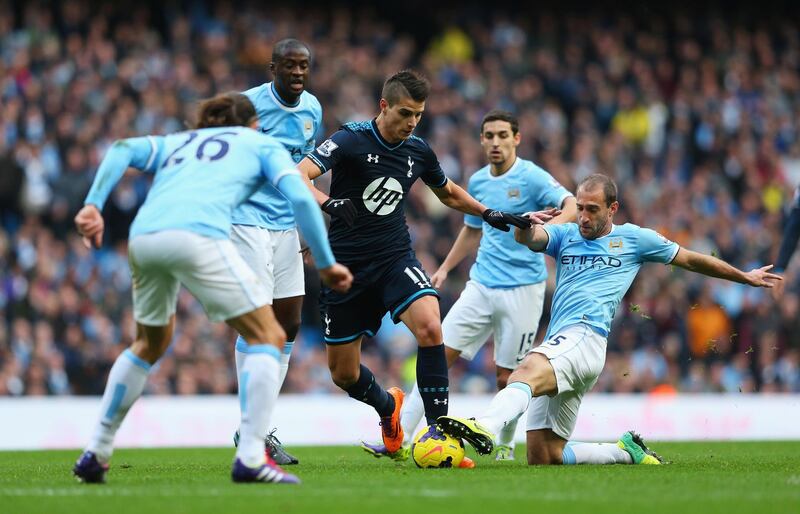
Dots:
(383, 104)
(517, 139)
(271, 67)
(612, 209)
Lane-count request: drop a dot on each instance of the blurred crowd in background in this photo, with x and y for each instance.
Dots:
(697, 118)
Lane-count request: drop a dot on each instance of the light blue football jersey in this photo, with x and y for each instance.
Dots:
(501, 261)
(295, 126)
(592, 276)
(200, 177)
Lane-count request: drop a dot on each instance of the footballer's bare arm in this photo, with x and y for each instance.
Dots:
(713, 267)
(454, 196)
(534, 237)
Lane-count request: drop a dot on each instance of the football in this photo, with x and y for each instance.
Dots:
(432, 448)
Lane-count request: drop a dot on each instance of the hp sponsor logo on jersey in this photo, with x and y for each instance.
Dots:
(382, 195)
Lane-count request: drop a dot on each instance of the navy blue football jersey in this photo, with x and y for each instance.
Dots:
(376, 176)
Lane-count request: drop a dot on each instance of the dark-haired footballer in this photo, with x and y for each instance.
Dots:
(264, 229)
(374, 164)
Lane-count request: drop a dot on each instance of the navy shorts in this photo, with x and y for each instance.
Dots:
(390, 285)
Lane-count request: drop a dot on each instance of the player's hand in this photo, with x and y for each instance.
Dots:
(501, 220)
(341, 208)
(761, 277)
(89, 222)
(542, 217)
(438, 278)
(337, 277)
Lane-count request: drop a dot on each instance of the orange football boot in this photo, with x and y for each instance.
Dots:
(391, 429)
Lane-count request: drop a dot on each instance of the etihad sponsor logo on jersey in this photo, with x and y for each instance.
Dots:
(326, 148)
(590, 261)
(382, 195)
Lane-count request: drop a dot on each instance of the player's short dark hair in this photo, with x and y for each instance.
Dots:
(284, 46)
(406, 84)
(226, 110)
(596, 180)
(501, 115)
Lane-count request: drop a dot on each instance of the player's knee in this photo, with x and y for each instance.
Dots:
(538, 456)
(543, 456)
(429, 333)
(343, 376)
(537, 373)
(149, 351)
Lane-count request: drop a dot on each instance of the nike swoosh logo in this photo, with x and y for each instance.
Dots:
(434, 450)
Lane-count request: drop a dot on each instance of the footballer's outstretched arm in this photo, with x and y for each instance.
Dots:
(138, 152)
(569, 211)
(454, 196)
(713, 267)
(535, 237)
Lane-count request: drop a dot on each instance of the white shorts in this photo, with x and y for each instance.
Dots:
(577, 354)
(275, 257)
(511, 314)
(211, 269)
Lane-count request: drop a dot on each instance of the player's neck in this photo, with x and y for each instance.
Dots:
(607, 230)
(502, 168)
(380, 122)
(286, 97)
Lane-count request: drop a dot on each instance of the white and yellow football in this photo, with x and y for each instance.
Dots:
(432, 448)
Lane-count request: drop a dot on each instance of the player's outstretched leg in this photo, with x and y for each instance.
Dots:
(125, 384)
(359, 383)
(469, 430)
(504, 451)
(632, 443)
(576, 452)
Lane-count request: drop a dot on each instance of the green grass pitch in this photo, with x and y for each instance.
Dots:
(704, 477)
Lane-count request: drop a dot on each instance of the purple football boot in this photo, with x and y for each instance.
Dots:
(268, 472)
(89, 470)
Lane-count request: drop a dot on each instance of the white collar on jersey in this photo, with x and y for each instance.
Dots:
(510, 170)
(279, 101)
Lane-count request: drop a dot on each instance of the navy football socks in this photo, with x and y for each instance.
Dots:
(432, 380)
(370, 392)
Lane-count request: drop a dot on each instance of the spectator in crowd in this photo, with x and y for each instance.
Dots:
(696, 118)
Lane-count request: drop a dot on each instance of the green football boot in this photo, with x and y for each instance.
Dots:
(469, 430)
(632, 443)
